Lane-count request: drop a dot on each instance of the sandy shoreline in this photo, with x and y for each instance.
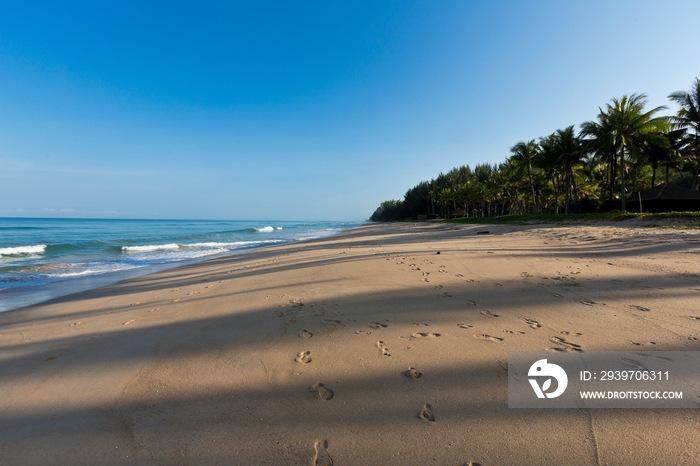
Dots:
(196, 365)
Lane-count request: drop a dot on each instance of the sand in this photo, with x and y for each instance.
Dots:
(365, 348)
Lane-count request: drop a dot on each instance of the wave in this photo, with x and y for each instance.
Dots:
(151, 247)
(267, 229)
(79, 270)
(217, 246)
(234, 244)
(22, 250)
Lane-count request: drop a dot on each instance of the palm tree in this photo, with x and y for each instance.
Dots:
(568, 148)
(598, 139)
(630, 128)
(547, 159)
(689, 117)
(524, 154)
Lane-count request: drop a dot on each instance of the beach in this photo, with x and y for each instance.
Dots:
(300, 353)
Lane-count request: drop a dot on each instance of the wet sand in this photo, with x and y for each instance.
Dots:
(386, 344)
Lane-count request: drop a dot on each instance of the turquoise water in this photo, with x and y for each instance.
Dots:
(45, 258)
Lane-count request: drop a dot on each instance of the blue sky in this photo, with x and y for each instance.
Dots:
(303, 110)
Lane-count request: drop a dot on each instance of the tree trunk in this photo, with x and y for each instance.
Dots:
(612, 176)
(622, 180)
(556, 194)
(532, 186)
(573, 184)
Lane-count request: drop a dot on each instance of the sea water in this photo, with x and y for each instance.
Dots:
(42, 258)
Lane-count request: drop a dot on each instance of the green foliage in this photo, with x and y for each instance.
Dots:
(567, 172)
(388, 211)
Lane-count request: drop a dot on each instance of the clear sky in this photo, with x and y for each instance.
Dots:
(303, 110)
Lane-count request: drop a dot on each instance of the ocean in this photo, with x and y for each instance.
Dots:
(44, 258)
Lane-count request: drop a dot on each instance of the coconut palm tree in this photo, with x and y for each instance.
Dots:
(524, 154)
(547, 159)
(688, 117)
(598, 139)
(568, 148)
(630, 128)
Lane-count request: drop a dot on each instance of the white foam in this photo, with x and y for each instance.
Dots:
(232, 245)
(151, 247)
(265, 229)
(16, 251)
(79, 270)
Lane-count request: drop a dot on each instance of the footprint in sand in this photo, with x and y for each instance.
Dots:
(424, 280)
(362, 332)
(442, 271)
(305, 334)
(514, 332)
(532, 323)
(412, 373)
(420, 324)
(446, 295)
(135, 304)
(425, 335)
(469, 280)
(176, 300)
(75, 323)
(634, 363)
(438, 287)
(337, 323)
(471, 302)
(322, 457)
(483, 336)
(303, 357)
(588, 303)
(425, 274)
(154, 309)
(694, 317)
(427, 413)
(459, 275)
(489, 314)
(557, 295)
(639, 308)
(467, 326)
(322, 392)
(573, 334)
(498, 284)
(129, 322)
(559, 350)
(377, 325)
(382, 346)
(568, 346)
(51, 358)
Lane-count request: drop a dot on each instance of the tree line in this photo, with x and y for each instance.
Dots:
(626, 149)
